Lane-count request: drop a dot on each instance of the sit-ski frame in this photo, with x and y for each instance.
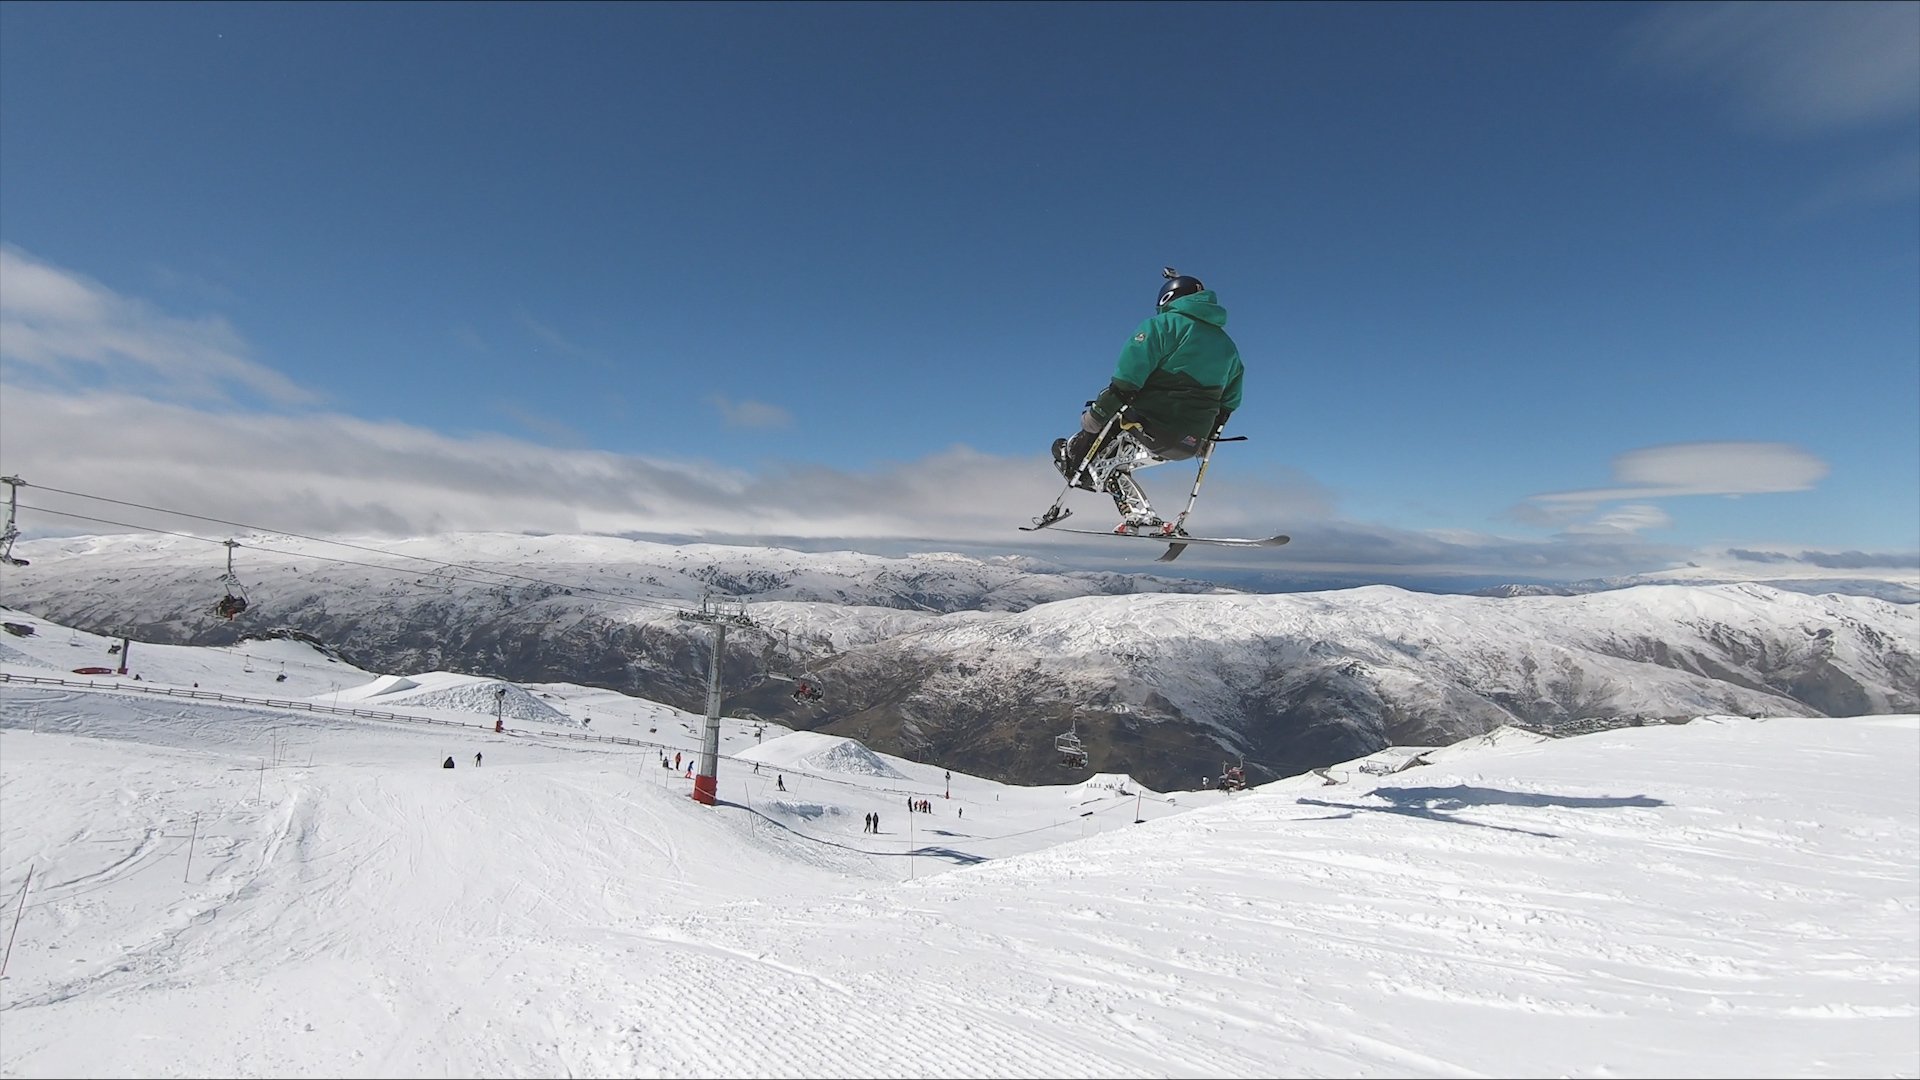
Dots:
(1117, 464)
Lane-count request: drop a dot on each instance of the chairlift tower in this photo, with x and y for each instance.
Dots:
(10, 531)
(706, 780)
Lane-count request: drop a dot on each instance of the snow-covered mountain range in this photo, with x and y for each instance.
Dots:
(981, 663)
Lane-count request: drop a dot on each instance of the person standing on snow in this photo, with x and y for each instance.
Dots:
(1178, 378)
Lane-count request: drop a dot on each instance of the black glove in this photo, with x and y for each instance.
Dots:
(1114, 399)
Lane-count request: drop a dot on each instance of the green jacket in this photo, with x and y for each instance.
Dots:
(1180, 371)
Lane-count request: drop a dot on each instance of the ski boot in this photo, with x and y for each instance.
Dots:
(1063, 461)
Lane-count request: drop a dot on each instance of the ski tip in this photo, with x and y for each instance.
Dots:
(1051, 517)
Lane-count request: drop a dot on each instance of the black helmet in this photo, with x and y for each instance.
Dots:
(1178, 285)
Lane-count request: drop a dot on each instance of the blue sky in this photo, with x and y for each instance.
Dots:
(1523, 290)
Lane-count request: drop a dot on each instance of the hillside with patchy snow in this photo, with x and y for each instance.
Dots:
(1298, 680)
(980, 665)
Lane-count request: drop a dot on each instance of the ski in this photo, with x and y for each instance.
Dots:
(1178, 542)
(1183, 538)
(1046, 520)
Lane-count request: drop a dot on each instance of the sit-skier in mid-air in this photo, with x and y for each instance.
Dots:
(1176, 384)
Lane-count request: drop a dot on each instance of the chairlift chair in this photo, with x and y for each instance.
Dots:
(780, 665)
(235, 601)
(1073, 754)
(1233, 778)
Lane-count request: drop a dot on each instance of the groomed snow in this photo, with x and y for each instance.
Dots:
(1730, 897)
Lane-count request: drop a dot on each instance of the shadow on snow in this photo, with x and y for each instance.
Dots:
(1439, 803)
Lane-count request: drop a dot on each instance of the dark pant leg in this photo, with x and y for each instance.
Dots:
(1077, 448)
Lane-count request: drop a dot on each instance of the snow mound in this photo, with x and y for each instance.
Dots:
(1394, 759)
(461, 693)
(385, 684)
(822, 753)
(852, 757)
(1504, 735)
(1106, 785)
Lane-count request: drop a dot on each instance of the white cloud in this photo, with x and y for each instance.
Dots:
(327, 472)
(1795, 68)
(1706, 468)
(178, 439)
(1623, 521)
(61, 329)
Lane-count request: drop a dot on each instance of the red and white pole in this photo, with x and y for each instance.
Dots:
(706, 784)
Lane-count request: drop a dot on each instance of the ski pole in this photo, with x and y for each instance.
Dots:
(1053, 513)
(1206, 456)
(1100, 440)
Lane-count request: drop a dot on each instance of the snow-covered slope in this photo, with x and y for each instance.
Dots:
(277, 667)
(1727, 897)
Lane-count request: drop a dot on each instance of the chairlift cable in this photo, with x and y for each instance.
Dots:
(590, 592)
(597, 597)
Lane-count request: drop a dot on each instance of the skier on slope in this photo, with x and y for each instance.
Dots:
(1178, 378)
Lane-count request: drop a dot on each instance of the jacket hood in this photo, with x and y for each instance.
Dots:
(1202, 305)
